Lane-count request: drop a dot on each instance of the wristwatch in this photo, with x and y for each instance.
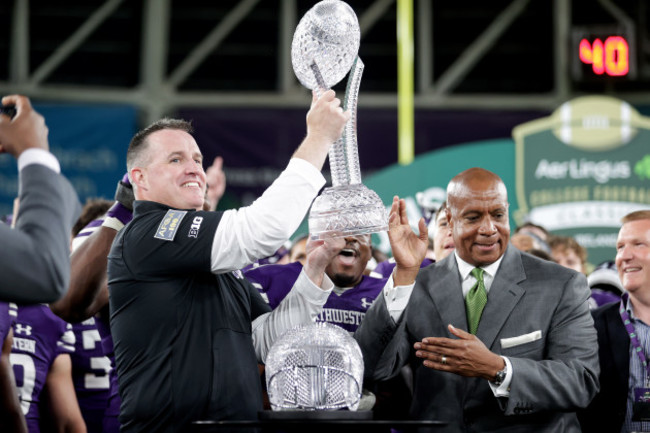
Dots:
(500, 376)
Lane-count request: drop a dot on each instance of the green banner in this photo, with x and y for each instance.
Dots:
(581, 169)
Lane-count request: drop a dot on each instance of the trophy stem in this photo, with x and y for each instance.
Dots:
(351, 149)
(344, 153)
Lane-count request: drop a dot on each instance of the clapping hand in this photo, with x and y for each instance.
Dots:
(408, 248)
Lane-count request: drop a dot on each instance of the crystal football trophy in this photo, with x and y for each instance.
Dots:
(324, 49)
(314, 367)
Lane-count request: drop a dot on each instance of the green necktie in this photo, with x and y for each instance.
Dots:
(475, 301)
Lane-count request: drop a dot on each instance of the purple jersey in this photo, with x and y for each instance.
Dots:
(385, 268)
(111, 423)
(105, 346)
(346, 310)
(39, 337)
(91, 374)
(8, 313)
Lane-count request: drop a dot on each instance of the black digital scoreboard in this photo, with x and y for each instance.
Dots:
(603, 53)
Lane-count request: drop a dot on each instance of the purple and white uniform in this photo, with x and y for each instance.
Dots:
(344, 307)
(91, 374)
(39, 337)
(111, 422)
(110, 395)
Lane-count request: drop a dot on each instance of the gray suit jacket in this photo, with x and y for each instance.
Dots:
(35, 256)
(552, 376)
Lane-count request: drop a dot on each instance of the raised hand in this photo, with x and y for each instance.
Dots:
(408, 248)
(26, 130)
(325, 122)
(319, 255)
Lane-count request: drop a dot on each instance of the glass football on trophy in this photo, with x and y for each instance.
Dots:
(324, 48)
(315, 367)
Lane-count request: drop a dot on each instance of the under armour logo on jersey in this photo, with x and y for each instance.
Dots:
(26, 330)
(194, 228)
(365, 303)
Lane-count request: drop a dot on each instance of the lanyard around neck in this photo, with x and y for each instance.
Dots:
(634, 339)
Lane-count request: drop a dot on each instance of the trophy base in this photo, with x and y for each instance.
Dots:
(347, 210)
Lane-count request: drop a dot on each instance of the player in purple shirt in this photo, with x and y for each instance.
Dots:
(353, 291)
(91, 369)
(11, 415)
(42, 367)
(91, 374)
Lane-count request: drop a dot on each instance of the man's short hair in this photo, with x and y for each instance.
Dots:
(139, 140)
(565, 243)
(636, 216)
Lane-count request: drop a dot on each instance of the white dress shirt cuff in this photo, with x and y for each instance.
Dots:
(38, 156)
(503, 390)
(396, 298)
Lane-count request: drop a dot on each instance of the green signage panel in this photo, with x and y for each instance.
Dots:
(581, 169)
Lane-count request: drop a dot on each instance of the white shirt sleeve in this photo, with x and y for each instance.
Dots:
(38, 156)
(257, 231)
(503, 390)
(301, 306)
(396, 298)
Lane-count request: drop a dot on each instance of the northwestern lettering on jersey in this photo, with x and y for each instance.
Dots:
(24, 344)
(169, 224)
(341, 317)
(194, 228)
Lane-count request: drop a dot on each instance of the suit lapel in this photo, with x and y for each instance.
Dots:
(504, 295)
(447, 293)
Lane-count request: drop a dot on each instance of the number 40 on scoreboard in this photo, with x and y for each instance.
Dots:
(603, 53)
(611, 57)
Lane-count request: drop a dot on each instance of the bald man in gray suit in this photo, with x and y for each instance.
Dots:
(35, 255)
(498, 340)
